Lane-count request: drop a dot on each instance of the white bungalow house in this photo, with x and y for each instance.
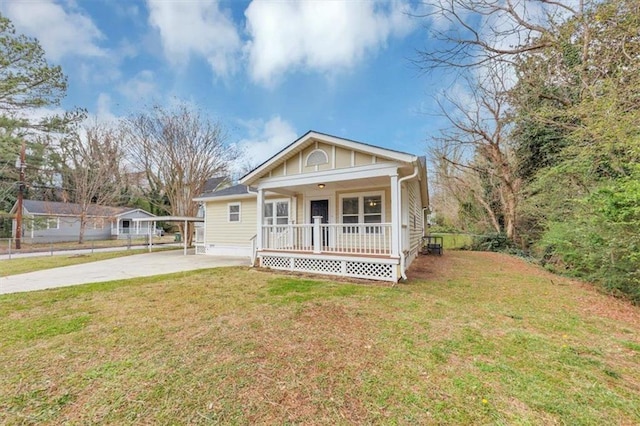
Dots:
(53, 221)
(323, 205)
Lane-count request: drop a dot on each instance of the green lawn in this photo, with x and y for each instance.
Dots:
(482, 338)
(455, 241)
(30, 264)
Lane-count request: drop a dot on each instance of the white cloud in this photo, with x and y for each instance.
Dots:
(323, 36)
(196, 27)
(60, 32)
(265, 139)
(140, 87)
(103, 109)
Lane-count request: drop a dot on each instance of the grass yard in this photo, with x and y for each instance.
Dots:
(455, 241)
(473, 338)
(30, 264)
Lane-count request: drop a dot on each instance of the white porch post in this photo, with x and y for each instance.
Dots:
(260, 212)
(151, 237)
(395, 216)
(317, 242)
(184, 236)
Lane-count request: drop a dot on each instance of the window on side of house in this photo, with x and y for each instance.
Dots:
(42, 223)
(53, 222)
(233, 210)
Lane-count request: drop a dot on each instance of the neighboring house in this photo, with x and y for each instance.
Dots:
(215, 183)
(210, 185)
(323, 205)
(56, 221)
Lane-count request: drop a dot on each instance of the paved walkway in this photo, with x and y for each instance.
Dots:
(139, 265)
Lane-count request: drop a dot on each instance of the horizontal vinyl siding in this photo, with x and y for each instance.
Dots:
(135, 215)
(415, 214)
(220, 231)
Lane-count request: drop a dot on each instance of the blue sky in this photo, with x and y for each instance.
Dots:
(269, 70)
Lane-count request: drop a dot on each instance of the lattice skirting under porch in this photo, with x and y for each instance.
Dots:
(368, 269)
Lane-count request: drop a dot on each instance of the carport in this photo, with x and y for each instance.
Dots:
(183, 219)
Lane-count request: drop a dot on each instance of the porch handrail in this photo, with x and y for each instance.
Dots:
(254, 249)
(344, 238)
(130, 231)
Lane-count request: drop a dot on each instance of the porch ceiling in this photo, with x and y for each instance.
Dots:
(343, 185)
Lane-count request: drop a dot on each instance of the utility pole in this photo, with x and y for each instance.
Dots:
(22, 165)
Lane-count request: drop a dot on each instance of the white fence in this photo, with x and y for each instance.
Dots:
(344, 238)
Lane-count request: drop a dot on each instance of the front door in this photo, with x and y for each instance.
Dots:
(125, 226)
(321, 208)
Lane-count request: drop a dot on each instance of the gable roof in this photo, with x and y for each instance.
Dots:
(57, 208)
(234, 190)
(310, 137)
(214, 183)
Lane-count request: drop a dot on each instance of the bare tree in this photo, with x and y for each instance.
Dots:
(476, 152)
(179, 149)
(475, 33)
(93, 167)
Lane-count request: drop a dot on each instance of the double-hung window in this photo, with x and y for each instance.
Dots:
(233, 212)
(40, 223)
(276, 212)
(365, 208)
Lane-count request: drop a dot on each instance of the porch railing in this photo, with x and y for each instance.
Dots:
(344, 238)
(130, 231)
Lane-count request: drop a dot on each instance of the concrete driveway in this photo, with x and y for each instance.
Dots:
(139, 265)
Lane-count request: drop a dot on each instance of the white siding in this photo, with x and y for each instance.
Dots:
(219, 232)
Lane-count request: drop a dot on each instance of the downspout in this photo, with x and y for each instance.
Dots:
(253, 239)
(398, 212)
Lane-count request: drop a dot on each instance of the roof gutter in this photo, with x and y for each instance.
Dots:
(403, 259)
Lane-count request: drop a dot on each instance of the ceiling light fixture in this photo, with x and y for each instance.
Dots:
(321, 185)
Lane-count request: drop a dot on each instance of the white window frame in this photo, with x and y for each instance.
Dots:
(57, 222)
(361, 196)
(44, 223)
(274, 215)
(317, 150)
(239, 213)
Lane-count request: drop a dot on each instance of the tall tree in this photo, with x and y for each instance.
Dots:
(574, 111)
(93, 170)
(27, 82)
(179, 149)
(477, 145)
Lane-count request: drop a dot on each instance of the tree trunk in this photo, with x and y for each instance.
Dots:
(83, 224)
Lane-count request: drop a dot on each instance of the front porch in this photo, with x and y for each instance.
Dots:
(336, 223)
(126, 228)
(371, 239)
(351, 250)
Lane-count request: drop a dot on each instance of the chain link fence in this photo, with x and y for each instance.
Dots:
(52, 246)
